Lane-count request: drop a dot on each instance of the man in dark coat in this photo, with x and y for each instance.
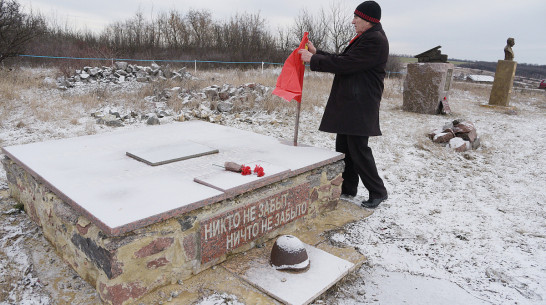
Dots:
(352, 111)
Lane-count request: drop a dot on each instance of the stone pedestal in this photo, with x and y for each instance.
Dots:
(502, 85)
(426, 88)
(130, 228)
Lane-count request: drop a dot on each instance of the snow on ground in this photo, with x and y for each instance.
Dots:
(458, 228)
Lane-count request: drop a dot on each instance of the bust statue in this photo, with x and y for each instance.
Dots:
(508, 53)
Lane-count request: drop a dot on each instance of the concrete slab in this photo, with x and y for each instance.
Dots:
(298, 288)
(227, 181)
(94, 175)
(159, 155)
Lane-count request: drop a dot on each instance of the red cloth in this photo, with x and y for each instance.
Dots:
(290, 81)
(354, 38)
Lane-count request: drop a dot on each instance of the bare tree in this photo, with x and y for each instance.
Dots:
(338, 25)
(17, 29)
(201, 24)
(283, 39)
(305, 22)
(174, 28)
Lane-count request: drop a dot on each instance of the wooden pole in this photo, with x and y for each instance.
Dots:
(297, 124)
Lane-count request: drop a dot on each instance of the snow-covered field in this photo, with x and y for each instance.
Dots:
(458, 228)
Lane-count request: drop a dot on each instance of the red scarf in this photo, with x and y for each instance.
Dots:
(358, 35)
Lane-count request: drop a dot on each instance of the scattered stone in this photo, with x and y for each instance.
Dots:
(224, 106)
(49, 81)
(459, 145)
(465, 130)
(459, 135)
(476, 143)
(223, 95)
(210, 108)
(109, 120)
(443, 137)
(121, 72)
(153, 121)
(94, 71)
(121, 65)
(211, 92)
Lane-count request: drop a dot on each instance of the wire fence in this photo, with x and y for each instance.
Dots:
(195, 61)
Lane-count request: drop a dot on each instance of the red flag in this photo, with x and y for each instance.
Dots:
(290, 81)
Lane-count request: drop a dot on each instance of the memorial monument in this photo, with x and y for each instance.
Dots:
(427, 84)
(148, 208)
(504, 77)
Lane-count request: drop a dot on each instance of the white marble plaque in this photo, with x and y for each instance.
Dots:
(158, 155)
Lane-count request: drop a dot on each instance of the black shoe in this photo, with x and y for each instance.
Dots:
(373, 203)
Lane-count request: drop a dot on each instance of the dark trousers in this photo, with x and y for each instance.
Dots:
(359, 162)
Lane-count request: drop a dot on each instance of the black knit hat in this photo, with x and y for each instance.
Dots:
(369, 10)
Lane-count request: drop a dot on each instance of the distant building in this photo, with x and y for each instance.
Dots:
(480, 78)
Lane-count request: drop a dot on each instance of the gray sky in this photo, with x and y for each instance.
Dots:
(466, 29)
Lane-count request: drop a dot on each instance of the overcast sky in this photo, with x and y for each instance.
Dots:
(466, 29)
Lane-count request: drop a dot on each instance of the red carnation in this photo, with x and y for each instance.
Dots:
(245, 170)
(259, 171)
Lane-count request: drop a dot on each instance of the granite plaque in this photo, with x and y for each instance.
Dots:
(159, 155)
(234, 228)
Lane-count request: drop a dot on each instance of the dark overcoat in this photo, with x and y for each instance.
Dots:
(353, 105)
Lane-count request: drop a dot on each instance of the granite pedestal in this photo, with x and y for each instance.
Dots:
(426, 87)
(130, 227)
(502, 85)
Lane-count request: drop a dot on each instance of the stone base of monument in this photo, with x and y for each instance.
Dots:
(295, 288)
(245, 275)
(426, 88)
(502, 85)
(130, 216)
(511, 110)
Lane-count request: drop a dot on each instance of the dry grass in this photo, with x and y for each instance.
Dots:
(91, 100)
(12, 82)
(535, 97)
(315, 88)
(12, 85)
(483, 90)
(237, 77)
(394, 87)
(315, 93)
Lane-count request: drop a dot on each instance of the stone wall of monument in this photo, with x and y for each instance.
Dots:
(125, 268)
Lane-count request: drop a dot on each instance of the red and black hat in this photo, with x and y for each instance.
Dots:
(369, 10)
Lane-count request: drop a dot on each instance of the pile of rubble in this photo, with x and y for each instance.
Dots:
(227, 95)
(214, 101)
(120, 72)
(459, 135)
